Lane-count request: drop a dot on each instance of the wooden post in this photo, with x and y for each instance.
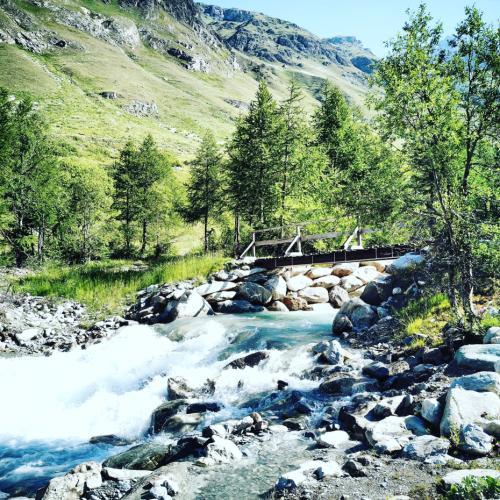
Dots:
(299, 244)
(358, 236)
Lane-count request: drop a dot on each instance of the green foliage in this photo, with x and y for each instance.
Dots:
(425, 316)
(205, 196)
(444, 111)
(474, 488)
(105, 287)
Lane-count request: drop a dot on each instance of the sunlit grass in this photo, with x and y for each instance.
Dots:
(426, 316)
(106, 287)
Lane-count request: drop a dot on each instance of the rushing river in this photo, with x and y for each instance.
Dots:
(52, 406)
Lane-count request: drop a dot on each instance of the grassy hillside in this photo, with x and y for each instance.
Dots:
(67, 80)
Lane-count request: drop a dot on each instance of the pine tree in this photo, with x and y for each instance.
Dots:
(253, 161)
(205, 188)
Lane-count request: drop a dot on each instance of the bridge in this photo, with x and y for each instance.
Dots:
(351, 249)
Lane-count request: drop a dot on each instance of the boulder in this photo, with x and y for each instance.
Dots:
(332, 439)
(250, 360)
(314, 295)
(360, 314)
(339, 384)
(333, 354)
(177, 388)
(215, 287)
(254, 293)
(468, 407)
(345, 269)
(238, 307)
(432, 411)
(366, 274)
(327, 281)
(147, 456)
(190, 305)
(277, 286)
(423, 447)
(479, 357)
(479, 382)
(377, 291)
(393, 433)
(182, 422)
(474, 441)
(299, 282)
(338, 296)
(277, 306)
(351, 283)
(341, 324)
(319, 272)
(354, 469)
(377, 370)
(296, 304)
(492, 336)
(220, 296)
(161, 415)
(291, 480)
(220, 451)
(379, 265)
(71, 486)
(457, 476)
(28, 335)
(203, 407)
(387, 407)
(406, 264)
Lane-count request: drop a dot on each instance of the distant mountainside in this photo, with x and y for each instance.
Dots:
(104, 71)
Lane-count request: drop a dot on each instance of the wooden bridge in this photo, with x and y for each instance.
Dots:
(351, 250)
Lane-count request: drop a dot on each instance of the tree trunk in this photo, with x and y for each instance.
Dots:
(41, 242)
(206, 231)
(144, 237)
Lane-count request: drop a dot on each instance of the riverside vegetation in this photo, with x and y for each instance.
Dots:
(410, 381)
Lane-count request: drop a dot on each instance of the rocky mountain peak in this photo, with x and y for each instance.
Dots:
(184, 11)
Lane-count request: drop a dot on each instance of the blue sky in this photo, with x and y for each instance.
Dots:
(372, 21)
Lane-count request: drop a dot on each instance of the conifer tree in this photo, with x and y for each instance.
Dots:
(205, 189)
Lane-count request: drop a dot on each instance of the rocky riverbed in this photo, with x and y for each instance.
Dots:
(318, 403)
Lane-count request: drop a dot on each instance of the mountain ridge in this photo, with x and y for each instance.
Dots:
(104, 71)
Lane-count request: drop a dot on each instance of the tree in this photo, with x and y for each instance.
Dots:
(253, 161)
(137, 175)
(443, 110)
(28, 179)
(126, 193)
(205, 189)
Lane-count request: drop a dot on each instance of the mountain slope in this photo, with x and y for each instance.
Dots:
(106, 71)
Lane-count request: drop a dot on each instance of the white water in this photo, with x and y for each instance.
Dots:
(51, 406)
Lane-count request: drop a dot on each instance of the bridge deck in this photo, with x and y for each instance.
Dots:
(337, 257)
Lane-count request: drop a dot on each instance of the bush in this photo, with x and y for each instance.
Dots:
(475, 488)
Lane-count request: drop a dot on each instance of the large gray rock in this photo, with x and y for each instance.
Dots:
(147, 456)
(333, 354)
(479, 382)
(190, 305)
(255, 294)
(334, 439)
(377, 291)
(291, 480)
(71, 486)
(219, 451)
(124, 474)
(474, 441)
(277, 306)
(360, 314)
(338, 296)
(423, 447)
(299, 282)
(393, 433)
(479, 357)
(431, 411)
(238, 307)
(327, 281)
(314, 295)
(277, 286)
(351, 283)
(163, 413)
(319, 272)
(407, 263)
(214, 287)
(457, 476)
(492, 336)
(345, 269)
(367, 274)
(468, 407)
(250, 360)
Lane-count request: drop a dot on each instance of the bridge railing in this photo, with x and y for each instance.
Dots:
(294, 242)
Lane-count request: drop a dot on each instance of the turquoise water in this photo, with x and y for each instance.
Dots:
(52, 406)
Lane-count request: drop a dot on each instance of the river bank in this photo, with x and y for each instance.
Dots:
(239, 406)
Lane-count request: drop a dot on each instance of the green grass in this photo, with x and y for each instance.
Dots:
(426, 316)
(475, 488)
(106, 287)
(489, 321)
